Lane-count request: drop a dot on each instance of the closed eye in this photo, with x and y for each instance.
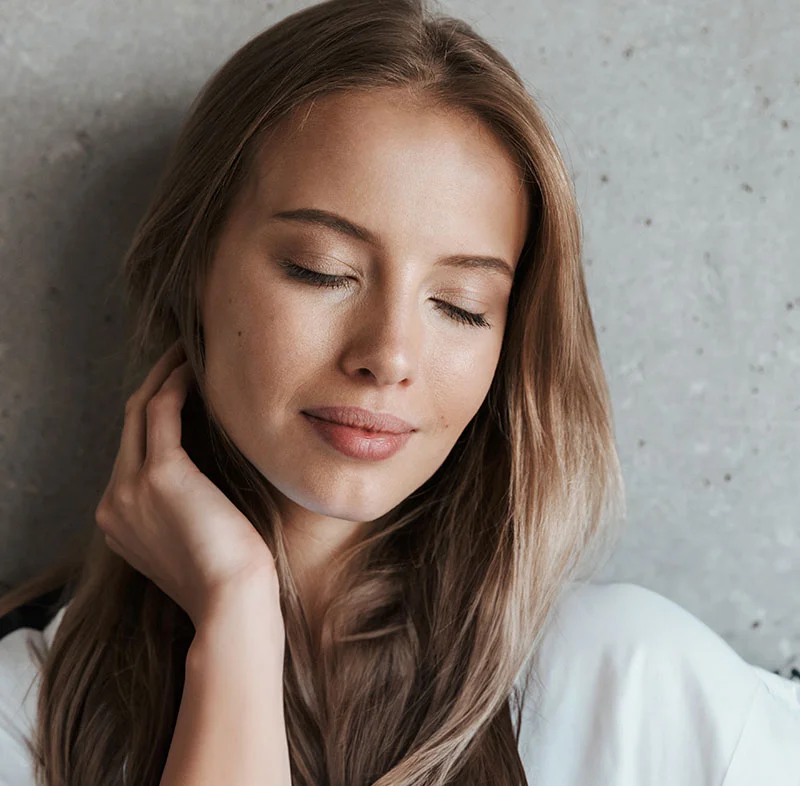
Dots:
(336, 282)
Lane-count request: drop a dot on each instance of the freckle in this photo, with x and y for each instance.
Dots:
(239, 333)
(727, 477)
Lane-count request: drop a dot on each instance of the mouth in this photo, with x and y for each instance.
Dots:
(362, 419)
(358, 443)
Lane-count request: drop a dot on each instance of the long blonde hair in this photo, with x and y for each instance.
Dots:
(440, 605)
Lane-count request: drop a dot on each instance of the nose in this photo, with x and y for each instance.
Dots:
(384, 340)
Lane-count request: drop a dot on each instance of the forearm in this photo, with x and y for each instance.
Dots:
(230, 727)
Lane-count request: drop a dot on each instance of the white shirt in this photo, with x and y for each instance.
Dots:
(627, 689)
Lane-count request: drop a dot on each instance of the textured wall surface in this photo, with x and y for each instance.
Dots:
(681, 124)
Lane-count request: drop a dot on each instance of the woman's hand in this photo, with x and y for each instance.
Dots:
(168, 520)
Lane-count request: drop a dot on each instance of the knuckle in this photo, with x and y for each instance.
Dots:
(161, 401)
(132, 404)
(102, 516)
(125, 496)
(154, 475)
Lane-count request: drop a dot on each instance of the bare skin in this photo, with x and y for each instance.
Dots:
(425, 185)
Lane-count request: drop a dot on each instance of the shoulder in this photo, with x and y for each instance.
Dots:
(622, 620)
(19, 677)
(629, 687)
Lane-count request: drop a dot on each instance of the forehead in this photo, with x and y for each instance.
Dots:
(407, 170)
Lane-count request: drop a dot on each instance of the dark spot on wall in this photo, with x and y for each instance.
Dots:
(628, 53)
(642, 443)
(755, 624)
(789, 306)
(754, 391)
(3, 413)
(784, 124)
(108, 318)
(699, 350)
(602, 328)
(758, 368)
(84, 139)
(766, 101)
(762, 199)
(706, 482)
(648, 221)
(704, 29)
(727, 477)
(747, 187)
(755, 451)
(604, 178)
(53, 292)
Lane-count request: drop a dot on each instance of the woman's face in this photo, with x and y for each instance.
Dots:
(411, 187)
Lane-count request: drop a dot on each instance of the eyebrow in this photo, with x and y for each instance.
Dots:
(325, 218)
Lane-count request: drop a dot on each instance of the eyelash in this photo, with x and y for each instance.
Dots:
(334, 282)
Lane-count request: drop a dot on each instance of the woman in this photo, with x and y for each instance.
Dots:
(371, 466)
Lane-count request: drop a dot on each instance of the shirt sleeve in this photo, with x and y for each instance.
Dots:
(628, 688)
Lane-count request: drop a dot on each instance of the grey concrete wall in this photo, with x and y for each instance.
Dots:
(681, 124)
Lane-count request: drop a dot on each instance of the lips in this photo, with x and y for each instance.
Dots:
(356, 417)
(359, 443)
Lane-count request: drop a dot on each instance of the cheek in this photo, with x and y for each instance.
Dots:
(460, 380)
(279, 344)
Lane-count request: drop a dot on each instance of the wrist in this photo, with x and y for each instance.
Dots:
(243, 617)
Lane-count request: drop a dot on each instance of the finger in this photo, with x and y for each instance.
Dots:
(164, 415)
(133, 446)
